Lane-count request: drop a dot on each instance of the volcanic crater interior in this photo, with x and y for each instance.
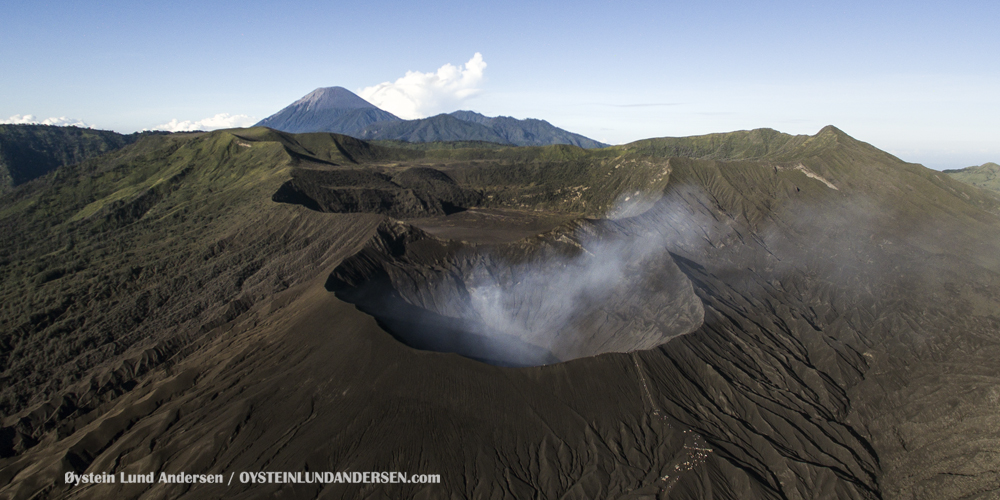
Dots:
(584, 288)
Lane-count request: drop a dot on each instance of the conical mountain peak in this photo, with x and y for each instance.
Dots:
(328, 109)
(332, 98)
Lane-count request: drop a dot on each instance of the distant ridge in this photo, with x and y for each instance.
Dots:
(338, 110)
(436, 128)
(528, 132)
(986, 176)
(329, 109)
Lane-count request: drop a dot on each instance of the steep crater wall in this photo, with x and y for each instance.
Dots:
(595, 187)
(414, 192)
(582, 289)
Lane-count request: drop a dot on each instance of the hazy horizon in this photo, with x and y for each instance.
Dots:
(914, 79)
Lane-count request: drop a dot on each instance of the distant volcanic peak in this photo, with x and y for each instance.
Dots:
(332, 98)
(328, 109)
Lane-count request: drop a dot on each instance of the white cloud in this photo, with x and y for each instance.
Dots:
(61, 121)
(418, 95)
(221, 120)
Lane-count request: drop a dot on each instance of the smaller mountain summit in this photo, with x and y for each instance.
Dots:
(986, 176)
(439, 128)
(328, 109)
(527, 132)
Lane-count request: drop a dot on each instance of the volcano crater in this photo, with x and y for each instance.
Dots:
(584, 288)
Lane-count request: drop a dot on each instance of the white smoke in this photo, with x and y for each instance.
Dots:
(61, 121)
(219, 121)
(632, 204)
(561, 287)
(545, 301)
(417, 95)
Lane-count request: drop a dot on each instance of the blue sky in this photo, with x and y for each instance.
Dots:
(918, 79)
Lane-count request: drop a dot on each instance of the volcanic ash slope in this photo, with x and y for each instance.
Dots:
(744, 315)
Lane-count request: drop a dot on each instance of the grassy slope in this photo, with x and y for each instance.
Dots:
(830, 154)
(138, 236)
(986, 176)
(30, 151)
(741, 145)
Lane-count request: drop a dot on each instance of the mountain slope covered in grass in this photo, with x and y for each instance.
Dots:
(31, 151)
(986, 176)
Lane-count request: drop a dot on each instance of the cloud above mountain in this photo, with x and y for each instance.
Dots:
(221, 120)
(418, 95)
(61, 121)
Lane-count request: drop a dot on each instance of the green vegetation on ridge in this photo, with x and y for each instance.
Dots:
(31, 151)
(986, 176)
